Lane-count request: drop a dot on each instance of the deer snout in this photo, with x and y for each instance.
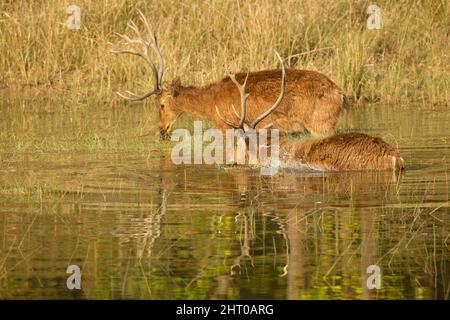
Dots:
(164, 131)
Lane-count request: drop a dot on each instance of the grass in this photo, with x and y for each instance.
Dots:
(114, 141)
(406, 60)
(18, 189)
(36, 127)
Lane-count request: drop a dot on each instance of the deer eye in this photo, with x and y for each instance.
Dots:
(162, 107)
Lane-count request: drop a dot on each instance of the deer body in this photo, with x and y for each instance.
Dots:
(346, 151)
(311, 101)
(307, 99)
(340, 152)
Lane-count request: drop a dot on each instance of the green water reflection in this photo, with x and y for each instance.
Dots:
(142, 228)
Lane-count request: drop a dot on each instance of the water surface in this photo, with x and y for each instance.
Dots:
(140, 227)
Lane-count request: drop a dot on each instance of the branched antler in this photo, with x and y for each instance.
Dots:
(146, 45)
(244, 95)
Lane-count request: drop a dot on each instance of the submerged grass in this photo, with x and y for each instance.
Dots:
(35, 191)
(90, 141)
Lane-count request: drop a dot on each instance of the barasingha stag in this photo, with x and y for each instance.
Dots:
(344, 151)
(311, 100)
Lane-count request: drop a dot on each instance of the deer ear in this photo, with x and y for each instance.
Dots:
(175, 87)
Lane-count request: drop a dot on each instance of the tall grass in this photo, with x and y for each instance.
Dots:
(406, 60)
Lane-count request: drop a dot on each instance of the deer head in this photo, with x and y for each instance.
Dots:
(167, 115)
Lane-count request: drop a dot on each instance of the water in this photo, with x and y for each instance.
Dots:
(142, 228)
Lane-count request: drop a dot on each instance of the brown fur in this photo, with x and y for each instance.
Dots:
(311, 101)
(347, 151)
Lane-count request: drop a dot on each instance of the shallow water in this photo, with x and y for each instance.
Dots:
(140, 227)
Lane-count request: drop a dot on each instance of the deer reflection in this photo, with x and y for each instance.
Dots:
(290, 203)
(293, 186)
(144, 229)
(245, 236)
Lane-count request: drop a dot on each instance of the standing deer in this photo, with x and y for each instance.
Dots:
(311, 100)
(345, 151)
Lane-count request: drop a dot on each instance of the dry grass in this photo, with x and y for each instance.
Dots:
(406, 60)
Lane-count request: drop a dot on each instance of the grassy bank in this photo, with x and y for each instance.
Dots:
(407, 60)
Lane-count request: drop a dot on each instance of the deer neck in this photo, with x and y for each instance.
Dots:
(197, 102)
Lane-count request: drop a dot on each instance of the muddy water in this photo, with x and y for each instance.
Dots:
(141, 228)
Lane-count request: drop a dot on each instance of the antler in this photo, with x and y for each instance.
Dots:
(244, 95)
(277, 103)
(152, 43)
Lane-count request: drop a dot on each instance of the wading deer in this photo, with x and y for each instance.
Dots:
(311, 100)
(345, 151)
